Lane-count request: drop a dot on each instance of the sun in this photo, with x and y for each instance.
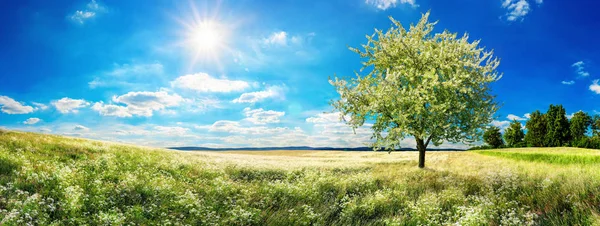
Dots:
(206, 37)
(203, 36)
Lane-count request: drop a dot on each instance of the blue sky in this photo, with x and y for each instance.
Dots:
(255, 73)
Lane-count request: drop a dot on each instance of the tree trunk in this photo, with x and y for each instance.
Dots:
(421, 148)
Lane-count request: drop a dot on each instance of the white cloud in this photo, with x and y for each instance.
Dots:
(202, 82)
(514, 117)
(92, 8)
(517, 9)
(81, 128)
(568, 82)
(10, 106)
(595, 87)
(580, 69)
(539, 1)
(260, 116)
(253, 97)
(386, 4)
(39, 106)
(501, 124)
(139, 103)
(528, 115)
(81, 16)
(111, 110)
(68, 105)
(277, 38)
(31, 121)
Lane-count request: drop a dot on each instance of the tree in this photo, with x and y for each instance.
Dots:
(493, 137)
(513, 135)
(536, 129)
(579, 125)
(595, 126)
(433, 87)
(557, 127)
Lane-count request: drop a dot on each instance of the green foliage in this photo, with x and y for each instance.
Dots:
(595, 126)
(434, 87)
(493, 137)
(513, 135)
(557, 127)
(579, 125)
(536, 129)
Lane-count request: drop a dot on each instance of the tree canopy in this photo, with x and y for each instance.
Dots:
(557, 127)
(433, 87)
(513, 135)
(493, 137)
(579, 125)
(536, 129)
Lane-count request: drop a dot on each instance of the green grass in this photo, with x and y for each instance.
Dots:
(555, 156)
(53, 180)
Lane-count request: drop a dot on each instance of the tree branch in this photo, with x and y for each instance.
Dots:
(428, 139)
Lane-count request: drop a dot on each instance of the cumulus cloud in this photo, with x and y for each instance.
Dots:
(202, 82)
(260, 116)
(31, 121)
(501, 124)
(568, 82)
(386, 4)
(138, 103)
(111, 110)
(10, 106)
(518, 9)
(68, 105)
(594, 87)
(580, 69)
(528, 115)
(91, 10)
(253, 97)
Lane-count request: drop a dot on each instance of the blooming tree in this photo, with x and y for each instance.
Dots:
(433, 87)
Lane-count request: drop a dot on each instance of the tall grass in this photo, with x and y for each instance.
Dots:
(51, 180)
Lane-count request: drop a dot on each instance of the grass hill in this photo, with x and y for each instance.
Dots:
(53, 180)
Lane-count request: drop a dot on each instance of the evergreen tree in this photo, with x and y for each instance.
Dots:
(493, 137)
(579, 125)
(536, 129)
(557, 127)
(513, 135)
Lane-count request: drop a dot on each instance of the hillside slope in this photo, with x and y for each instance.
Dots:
(53, 180)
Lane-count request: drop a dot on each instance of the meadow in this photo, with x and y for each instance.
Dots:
(54, 180)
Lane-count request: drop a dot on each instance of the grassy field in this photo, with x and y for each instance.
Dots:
(52, 180)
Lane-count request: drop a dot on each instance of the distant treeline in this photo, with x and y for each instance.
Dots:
(550, 129)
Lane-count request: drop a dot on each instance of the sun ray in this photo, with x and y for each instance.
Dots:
(204, 36)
